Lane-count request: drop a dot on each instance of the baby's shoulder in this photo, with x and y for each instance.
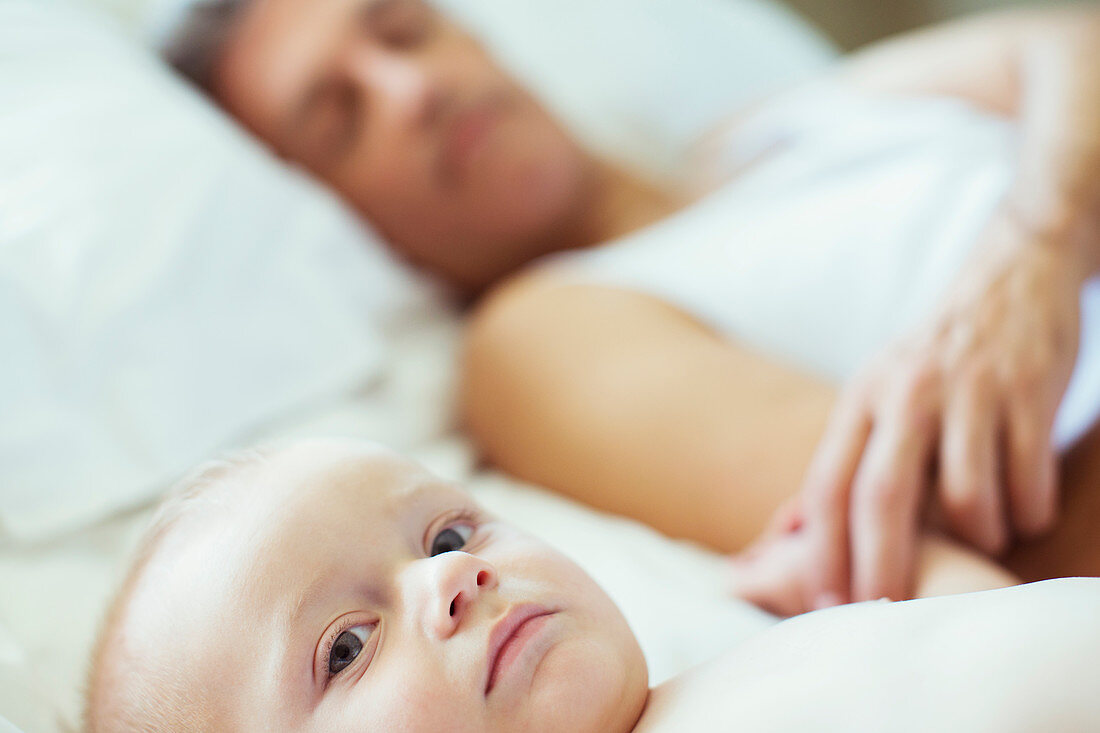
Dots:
(1018, 659)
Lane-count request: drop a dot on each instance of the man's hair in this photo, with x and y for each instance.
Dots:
(197, 42)
(124, 692)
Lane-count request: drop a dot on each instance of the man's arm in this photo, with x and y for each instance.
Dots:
(992, 364)
(621, 401)
(1040, 67)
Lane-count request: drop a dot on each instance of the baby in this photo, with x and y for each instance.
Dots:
(334, 586)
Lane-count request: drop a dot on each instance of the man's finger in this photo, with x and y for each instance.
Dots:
(886, 500)
(827, 492)
(770, 577)
(970, 491)
(1032, 468)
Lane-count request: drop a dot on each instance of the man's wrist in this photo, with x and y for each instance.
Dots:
(1064, 222)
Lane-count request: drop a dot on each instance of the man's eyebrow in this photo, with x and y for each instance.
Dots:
(367, 13)
(371, 9)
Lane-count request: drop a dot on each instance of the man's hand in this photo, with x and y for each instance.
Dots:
(961, 412)
(775, 572)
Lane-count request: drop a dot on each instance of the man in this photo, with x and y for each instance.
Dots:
(466, 174)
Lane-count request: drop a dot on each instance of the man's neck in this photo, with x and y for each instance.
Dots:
(617, 203)
(614, 202)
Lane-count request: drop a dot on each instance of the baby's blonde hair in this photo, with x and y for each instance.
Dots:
(125, 692)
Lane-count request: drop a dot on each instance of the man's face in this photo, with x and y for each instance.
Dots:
(409, 118)
(339, 588)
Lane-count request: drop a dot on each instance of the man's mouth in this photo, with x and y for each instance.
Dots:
(509, 637)
(465, 136)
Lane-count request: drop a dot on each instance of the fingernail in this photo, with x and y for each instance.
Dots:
(826, 600)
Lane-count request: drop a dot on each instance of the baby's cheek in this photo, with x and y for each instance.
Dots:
(413, 700)
(584, 685)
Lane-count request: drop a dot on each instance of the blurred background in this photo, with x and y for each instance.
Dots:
(852, 23)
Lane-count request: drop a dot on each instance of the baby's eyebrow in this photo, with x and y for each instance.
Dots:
(300, 606)
(303, 606)
(292, 628)
(429, 491)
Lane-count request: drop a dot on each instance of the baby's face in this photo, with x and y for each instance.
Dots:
(340, 588)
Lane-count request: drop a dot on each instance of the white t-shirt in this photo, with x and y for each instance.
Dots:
(846, 218)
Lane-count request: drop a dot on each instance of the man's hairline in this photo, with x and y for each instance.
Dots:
(186, 35)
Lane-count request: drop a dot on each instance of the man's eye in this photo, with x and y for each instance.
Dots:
(347, 647)
(451, 539)
(330, 124)
(401, 24)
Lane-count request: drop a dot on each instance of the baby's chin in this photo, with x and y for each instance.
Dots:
(596, 698)
(595, 681)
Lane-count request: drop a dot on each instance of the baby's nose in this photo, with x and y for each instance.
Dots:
(455, 582)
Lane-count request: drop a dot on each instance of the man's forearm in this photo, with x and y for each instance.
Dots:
(1057, 190)
(1040, 67)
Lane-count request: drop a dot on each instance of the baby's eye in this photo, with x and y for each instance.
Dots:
(347, 646)
(451, 539)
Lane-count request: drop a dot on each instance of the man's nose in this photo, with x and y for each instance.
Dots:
(399, 85)
(447, 588)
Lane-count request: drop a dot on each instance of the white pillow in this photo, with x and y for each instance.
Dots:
(636, 79)
(6, 727)
(167, 287)
(642, 79)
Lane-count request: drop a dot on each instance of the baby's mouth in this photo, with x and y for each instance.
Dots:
(509, 637)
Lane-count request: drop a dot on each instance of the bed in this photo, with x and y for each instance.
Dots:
(161, 276)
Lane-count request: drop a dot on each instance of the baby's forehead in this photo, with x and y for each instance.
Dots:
(308, 488)
(333, 470)
(258, 543)
(315, 495)
(296, 482)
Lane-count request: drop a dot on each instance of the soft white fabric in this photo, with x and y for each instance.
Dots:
(7, 727)
(168, 288)
(847, 218)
